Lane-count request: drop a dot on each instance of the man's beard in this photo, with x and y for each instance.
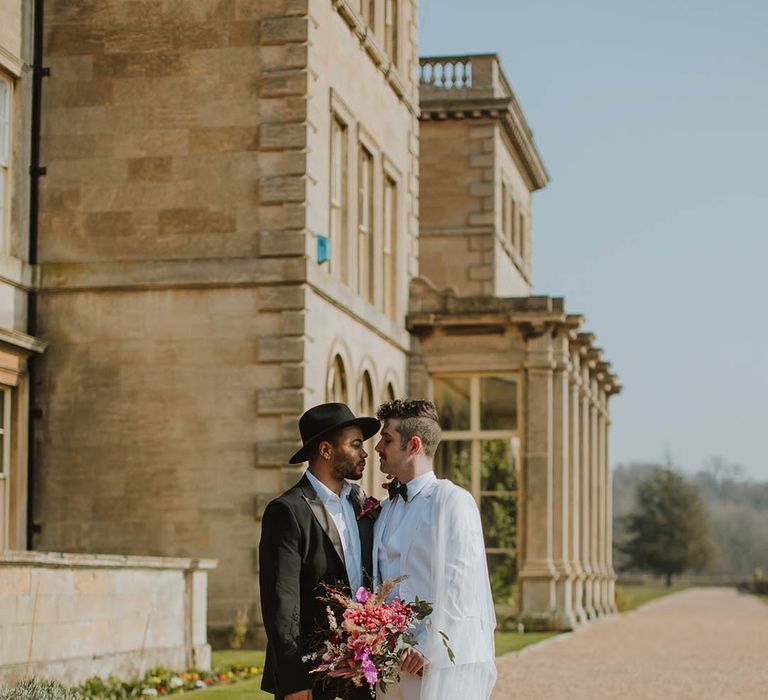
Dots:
(346, 468)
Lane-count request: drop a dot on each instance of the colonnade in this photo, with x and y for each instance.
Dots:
(566, 561)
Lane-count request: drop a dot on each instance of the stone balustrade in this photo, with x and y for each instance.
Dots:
(477, 75)
(72, 616)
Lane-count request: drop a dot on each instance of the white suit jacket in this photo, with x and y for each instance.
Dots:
(443, 556)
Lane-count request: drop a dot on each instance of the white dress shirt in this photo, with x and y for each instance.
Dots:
(343, 515)
(391, 544)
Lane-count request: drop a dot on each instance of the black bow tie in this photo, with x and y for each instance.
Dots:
(395, 489)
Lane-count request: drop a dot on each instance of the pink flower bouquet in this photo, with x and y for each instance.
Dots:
(367, 636)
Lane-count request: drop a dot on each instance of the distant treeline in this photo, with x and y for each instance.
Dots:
(736, 506)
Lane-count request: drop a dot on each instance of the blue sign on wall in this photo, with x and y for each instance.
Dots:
(323, 249)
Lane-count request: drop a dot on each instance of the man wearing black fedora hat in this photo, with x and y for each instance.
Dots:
(309, 536)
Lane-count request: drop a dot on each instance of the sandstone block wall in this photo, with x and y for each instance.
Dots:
(69, 617)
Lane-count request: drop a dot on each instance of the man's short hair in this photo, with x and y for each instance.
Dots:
(313, 451)
(417, 417)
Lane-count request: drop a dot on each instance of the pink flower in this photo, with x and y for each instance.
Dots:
(362, 594)
(369, 671)
(371, 508)
(369, 668)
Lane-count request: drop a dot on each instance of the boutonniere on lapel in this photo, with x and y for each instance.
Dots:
(370, 508)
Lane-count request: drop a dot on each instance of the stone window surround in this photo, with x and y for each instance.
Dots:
(6, 147)
(514, 241)
(350, 13)
(5, 464)
(390, 237)
(384, 169)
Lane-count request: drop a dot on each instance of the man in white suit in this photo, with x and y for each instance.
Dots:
(429, 530)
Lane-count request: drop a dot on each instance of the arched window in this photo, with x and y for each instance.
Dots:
(336, 387)
(372, 477)
(366, 395)
(389, 392)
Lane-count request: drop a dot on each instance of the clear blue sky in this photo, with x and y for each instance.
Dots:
(652, 119)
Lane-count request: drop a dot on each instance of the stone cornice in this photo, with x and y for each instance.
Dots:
(370, 44)
(102, 561)
(434, 311)
(503, 109)
(168, 274)
(21, 341)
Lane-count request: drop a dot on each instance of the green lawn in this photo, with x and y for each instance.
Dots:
(631, 597)
(247, 690)
(250, 690)
(515, 641)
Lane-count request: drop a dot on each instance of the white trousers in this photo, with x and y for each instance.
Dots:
(409, 688)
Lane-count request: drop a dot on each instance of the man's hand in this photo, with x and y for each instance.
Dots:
(413, 662)
(345, 672)
(300, 695)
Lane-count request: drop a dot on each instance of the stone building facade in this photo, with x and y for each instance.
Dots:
(198, 159)
(249, 208)
(17, 342)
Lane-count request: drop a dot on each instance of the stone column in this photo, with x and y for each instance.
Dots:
(594, 484)
(602, 502)
(611, 574)
(537, 569)
(561, 478)
(575, 465)
(586, 492)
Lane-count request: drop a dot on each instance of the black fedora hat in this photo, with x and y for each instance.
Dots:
(319, 421)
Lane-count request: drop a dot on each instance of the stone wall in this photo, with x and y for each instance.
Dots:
(70, 617)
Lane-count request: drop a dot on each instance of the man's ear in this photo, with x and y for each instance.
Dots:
(414, 445)
(325, 448)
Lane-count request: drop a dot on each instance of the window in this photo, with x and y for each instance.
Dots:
(368, 11)
(507, 214)
(336, 386)
(5, 153)
(390, 29)
(367, 408)
(389, 248)
(480, 452)
(389, 393)
(365, 218)
(338, 198)
(520, 235)
(5, 458)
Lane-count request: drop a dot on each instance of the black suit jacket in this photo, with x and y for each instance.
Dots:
(300, 548)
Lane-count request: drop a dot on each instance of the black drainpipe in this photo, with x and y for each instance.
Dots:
(35, 171)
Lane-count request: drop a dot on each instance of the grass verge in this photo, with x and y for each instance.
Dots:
(631, 597)
(515, 641)
(245, 690)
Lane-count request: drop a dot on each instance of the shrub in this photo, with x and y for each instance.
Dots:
(34, 689)
(239, 630)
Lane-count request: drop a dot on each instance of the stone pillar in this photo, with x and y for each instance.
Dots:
(605, 607)
(537, 569)
(594, 484)
(561, 515)
(586, 497)
(611, 574)
(575, 464)
(586, 494)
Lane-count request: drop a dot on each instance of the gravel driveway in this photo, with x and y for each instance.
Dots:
(700, 643)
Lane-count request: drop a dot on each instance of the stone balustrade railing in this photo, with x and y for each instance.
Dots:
(447, 73)
(478, 75)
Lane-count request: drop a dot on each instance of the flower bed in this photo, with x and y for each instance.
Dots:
(161, 681)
